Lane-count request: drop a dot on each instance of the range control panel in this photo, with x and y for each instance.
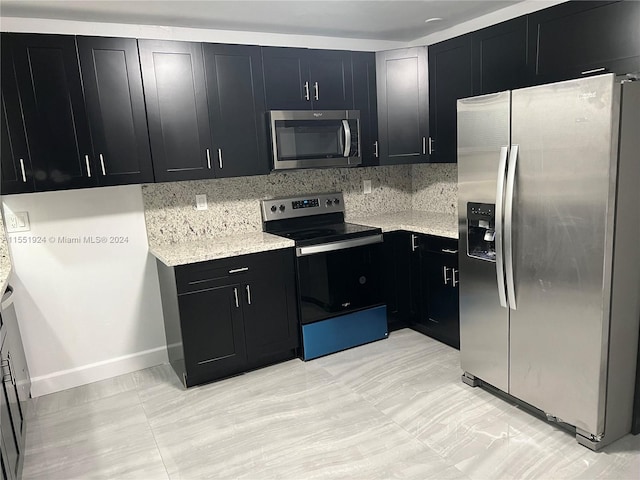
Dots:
(294, 207)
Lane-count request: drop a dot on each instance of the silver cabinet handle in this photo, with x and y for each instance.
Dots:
(502, 171)
(593, 70)
(347, 138)
(86, 161)
(413, 242)
(424, 145)
(238, 270)
(24, 175)
(315, 86)
(220, 157)
(508, 225)
(430, 145)
(447, 250)
(208, 159)
(455, 281)
(235, 294)
(306, 91)
(444, 275)
(104, 172)
(375, 149)
(248, 294)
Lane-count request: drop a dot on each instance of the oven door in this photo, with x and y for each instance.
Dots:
(339, 278)
(305, 139)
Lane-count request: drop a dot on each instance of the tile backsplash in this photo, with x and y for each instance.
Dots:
(234, 203)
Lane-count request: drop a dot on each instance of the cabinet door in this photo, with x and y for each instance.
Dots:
(16, 174)
(397, 279)
(212, 333)
(270, 309)
(403, 105)
(177, 112)
(48, 78)
(365, 100)
(449, 80)
(286, 78)
(237, 111)
(581, 38)
(500, 59)
(331, 79)
(115, 105)
(10, 454)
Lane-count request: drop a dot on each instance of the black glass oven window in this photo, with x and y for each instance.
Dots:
(339, 282)
(309, 139)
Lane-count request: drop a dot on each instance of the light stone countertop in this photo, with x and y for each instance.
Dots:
(5, 272)
(430, 223)
(214, 248)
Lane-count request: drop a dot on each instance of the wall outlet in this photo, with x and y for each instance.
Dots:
(201, 202)
(366, 186)
(17, 222)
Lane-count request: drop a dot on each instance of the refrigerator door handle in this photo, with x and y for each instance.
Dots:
(508, 227)
(502, 170)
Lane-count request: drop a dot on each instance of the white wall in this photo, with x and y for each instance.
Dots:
(86, 311)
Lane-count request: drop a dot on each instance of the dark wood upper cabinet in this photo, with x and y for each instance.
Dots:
(574, 39)
(50, 88)
(115, 104)
(365, 100)
(500, 57)
(16, 174)
(403, 105)
(237, 110)
(330, 79)
(449, 80)
(177, 113)
(303, 79)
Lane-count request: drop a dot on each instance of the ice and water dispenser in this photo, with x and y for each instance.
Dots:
(481, 231)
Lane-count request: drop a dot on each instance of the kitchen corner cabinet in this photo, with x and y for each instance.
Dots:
(178, 118)
(575, 39)
(398, 291)
(112, 82)
(500, 58)
(305, 79)
(16, 172)
(449, 80)
(437, 290)
(235, 92)
(365, 100)
(403, 105)
(224, 317)
(48, 79)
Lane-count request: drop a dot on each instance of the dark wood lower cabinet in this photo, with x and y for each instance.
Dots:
(224, 317)
(398, 279)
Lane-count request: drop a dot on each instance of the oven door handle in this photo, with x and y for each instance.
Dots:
(333, 246)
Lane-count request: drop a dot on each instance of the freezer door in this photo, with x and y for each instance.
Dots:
(483, 135)
(564, 186)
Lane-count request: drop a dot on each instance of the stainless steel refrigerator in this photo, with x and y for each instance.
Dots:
(549, 202)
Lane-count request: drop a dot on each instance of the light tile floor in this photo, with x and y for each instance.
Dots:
(391, 409)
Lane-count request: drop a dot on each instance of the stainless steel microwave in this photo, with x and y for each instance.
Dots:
(315, 139)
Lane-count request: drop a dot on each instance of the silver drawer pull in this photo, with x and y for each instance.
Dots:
(238, 270)
(447, 250)
(444, 275)
(455, 280)
(593, 70)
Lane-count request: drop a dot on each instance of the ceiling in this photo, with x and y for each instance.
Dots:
(396, 20)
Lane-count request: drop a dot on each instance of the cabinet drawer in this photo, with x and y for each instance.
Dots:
(200, 276)
(442, 245)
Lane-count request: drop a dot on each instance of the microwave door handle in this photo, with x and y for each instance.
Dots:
(347, 137)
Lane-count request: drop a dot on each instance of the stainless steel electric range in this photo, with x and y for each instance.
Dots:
(339, 272)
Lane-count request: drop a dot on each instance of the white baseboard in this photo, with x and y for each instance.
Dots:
(93, 372)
